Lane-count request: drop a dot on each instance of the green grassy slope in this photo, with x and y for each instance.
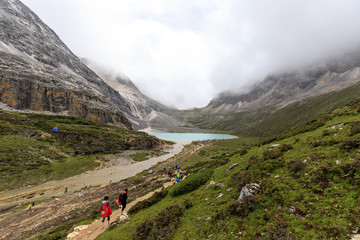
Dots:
(31, 151)
(268, 121)
(309, 180)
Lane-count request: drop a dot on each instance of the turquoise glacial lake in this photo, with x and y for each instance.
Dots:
(191, 136)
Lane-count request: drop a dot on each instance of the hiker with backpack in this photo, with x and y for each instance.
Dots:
(122, 199)
(105, 209)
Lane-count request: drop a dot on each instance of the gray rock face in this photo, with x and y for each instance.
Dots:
(38, 72)
(288, 87)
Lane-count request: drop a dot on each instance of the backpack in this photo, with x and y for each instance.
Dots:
(104, 207)
(118, 202)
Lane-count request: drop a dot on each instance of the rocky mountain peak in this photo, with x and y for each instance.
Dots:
(39, 72)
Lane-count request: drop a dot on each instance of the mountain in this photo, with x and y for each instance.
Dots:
(39, 72)
(144, 112)
(288, 87)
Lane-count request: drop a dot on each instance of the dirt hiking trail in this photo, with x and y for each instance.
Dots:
(93, 230)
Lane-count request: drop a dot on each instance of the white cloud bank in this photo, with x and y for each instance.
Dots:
(182, 53)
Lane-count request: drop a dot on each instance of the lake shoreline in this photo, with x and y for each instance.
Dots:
(174, 136)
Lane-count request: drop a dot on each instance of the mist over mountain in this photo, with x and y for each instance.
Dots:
(283, 88)
(144, 112)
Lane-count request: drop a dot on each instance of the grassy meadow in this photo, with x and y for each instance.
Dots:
(308, 178)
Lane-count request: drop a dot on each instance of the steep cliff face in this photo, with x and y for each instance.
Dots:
(38, 72)
(284, 88)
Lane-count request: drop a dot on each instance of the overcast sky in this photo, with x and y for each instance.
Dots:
(184, 52)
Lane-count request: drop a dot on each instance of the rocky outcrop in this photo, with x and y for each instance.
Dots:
(38, 72)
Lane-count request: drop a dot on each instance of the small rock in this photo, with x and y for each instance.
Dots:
(305, 160)
(220, 185)
(80, 228)
(291, 209)
(208, 218)
(338, 162)
(231, 167)
(151, 171)
(337, 126)
(277, 176)
(220, 195)
(198, 219)
(211, 183)
(248, 190)
(72, 235)
(274, 145)
(228, 190)
(123, 218)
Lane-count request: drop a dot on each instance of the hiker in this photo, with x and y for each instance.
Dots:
(105, 209)
(181, 174)
(29, 207)
(177, 177)
(65, 190)
(33, 204)
(122, 200)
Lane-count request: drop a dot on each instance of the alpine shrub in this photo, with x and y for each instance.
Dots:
(66, 121)
(83, 122)
(242, 151)
(295, 166)
(285, 147)
(355, 128)
(272, 154)
(191, 183)
(240, 179)
(350, 169)
(161, 226)
(351, 143)
(187, 203)
(242, 208)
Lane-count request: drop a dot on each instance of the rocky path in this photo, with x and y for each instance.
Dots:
(91, 231)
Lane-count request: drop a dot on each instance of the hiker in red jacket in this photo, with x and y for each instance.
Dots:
(105, 209)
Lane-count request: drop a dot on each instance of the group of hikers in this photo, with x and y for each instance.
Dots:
(178, 173)
(105, 206)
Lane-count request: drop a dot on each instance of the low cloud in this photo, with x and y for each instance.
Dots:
(183, 53)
